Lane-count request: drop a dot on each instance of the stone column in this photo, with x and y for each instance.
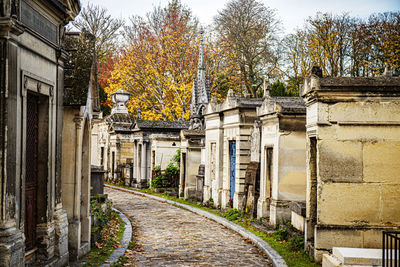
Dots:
(144, 162)
(60, 215)
(74, 226)
(135, 162)
(12, 182)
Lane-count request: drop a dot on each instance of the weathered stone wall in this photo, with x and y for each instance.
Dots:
(125, 155)
(76, 179)
(32, 64)
(238, 124)
(193, 160)
(214, 161)
(164, 151)
(355, 192)
(292, 169)
(283, 157)
(100, 139)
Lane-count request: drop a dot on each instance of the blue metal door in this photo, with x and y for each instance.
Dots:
(232, 156)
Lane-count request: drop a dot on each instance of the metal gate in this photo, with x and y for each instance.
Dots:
(31, 170)
(391, 248)
(232, 155)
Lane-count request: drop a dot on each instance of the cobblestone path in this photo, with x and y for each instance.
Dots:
(170, 236)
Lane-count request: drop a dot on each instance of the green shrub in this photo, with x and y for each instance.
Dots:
(232, 214)
(102, 216)
(158, 181)
(171, 169)
(177, 156)
(157, 168)
(296, 243)
(281, 234)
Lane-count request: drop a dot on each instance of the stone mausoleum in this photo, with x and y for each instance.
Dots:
(228, 139)
(128, 148)
(282, 151)
(33, 222)
(155, 143)
(353, 152)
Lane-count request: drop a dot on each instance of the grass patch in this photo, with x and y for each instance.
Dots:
(288, 249)
(110, 238)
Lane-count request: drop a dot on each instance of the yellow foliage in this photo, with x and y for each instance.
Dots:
(157, 69)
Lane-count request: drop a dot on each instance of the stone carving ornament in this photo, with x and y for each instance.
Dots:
(195, 124)
(255, 142)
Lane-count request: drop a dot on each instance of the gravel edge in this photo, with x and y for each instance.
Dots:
(277, 260)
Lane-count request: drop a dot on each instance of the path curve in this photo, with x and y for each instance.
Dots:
(170, 236)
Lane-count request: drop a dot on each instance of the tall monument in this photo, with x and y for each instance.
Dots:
(200, 91)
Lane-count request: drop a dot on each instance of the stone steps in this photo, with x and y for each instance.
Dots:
(354, 257)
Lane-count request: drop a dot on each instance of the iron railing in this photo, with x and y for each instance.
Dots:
(391, 249)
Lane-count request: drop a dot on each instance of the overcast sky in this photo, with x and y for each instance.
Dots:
(292, 13)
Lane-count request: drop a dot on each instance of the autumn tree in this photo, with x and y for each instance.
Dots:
(221, 70)
(384, 35)
(105, 28)
(158, 65)
(342, 46)
(296, 62)
(246, 31)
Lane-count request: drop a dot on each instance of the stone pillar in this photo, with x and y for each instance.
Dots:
(60, 215)
(74, 226)
(11, 229)
(135, 161)
(144, 162)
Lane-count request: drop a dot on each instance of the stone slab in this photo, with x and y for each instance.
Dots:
(358, 256)
(298, 221)
(330, 261)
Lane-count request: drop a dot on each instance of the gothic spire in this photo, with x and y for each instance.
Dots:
(201, 64)
(200, 91)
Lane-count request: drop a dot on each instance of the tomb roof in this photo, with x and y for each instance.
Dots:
(334, 88)
(121, 122)
(283, 105)
(170, 125)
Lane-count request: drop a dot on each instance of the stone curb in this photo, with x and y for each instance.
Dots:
(126, 238)
(277, 260)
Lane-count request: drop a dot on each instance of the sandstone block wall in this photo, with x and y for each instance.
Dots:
(353, 191)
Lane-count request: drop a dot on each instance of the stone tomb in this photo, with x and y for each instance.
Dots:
(353, 152)
(155, 143)
(283, 162)
(192, 143)
(33, 222)
(252, 189)
(228, 133)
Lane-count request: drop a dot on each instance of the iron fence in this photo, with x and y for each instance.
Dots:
(391, 249)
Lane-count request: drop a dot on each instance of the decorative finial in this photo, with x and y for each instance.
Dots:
(139, 114)
(387, 72)
(119, 99)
